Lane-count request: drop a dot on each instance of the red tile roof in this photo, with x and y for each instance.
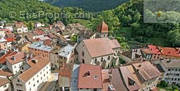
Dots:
(89, 76)
(39, 32)
(10, 39)
(3, 81)
(35, 67)
(16, 58)
(103, 27)
(105, 79)
(3, 58)
(5, 73)
(167, 51)
(100, 46)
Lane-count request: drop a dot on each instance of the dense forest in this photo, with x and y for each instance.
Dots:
(125, 21)
(90, 5)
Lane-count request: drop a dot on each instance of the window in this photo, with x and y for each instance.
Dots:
(18, 80)
(83, 53)
(29, 82)
(37, 81)
(34, 85)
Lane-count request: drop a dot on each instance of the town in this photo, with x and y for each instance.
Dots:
(71, 57)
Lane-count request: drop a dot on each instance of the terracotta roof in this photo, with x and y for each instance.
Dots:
(10, 39)
(105, 79)
(39, 32)
(162, 50)
(66, 70)
(89, 76)
(35, 67)
(103, 27)
(130, 78)
(100, 46)
(117, 81)
(3, 81)
(147, 70)
(5, 73)
(16, 57)
(3, 58)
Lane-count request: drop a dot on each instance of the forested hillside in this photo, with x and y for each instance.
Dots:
(125, 21)
(90, 5)
(33, 10)
(127, 25)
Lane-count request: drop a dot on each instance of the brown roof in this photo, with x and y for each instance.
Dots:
(3, 58)
(171, 63)
(66, 70)
(35, 67)
(103, 27)
(5, 73)
(147, 70)
(117, 81)
(129, 76)
(100, 46)
(16, 58)
(3, 81)
(89, 76)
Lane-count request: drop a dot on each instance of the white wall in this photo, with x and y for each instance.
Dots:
(35, 82)
(16, 67)
(5, 87)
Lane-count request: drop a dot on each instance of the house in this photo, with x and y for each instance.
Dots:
(158, 52)
(15, 61)
(171, 68)
(9, 26)
(38, 24)
(38, 48)
(89, 78)
(107, 80)
(102, 30)
(66, 53)
(148, 75)
(100, 51)
(21, 27)
(64, 78)
(2, 23)
(5, 84)
(33, 74)
(59, 26)
(140, 76)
